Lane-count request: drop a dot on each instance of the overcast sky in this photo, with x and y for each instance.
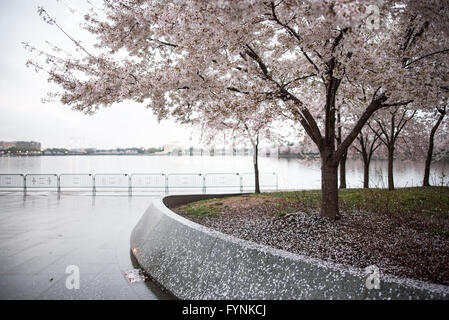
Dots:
(24, 117)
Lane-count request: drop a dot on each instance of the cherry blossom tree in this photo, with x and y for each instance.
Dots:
(387, 127)
(302, 56)
(441, 113)
(253, 122)
(423, 53)
(441, 143)
(367, 143)
(343, 125)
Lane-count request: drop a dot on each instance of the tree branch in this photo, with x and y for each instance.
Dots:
(426, 56)
(376, 104)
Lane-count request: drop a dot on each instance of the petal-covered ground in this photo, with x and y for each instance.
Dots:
(404, 232)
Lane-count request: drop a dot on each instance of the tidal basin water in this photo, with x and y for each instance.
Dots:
(292, 173)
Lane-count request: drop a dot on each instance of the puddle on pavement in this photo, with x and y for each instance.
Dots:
(136, 275)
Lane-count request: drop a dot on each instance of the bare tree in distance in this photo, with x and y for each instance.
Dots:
(387, 129)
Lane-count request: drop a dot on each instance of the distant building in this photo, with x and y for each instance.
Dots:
(54, 152)
(22, 145)
(6, 145)
(171, 148)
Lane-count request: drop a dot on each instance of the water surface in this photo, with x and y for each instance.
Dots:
(292, 173)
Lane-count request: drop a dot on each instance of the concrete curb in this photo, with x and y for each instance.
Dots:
(195, 262)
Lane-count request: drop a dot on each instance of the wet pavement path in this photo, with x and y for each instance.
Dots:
(43, 233)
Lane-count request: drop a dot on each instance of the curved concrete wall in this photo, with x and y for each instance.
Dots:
(195, 262)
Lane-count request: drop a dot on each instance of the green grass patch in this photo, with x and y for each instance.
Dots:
(425, 200)
(201, 210)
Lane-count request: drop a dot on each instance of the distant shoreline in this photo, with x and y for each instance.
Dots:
(292, 156)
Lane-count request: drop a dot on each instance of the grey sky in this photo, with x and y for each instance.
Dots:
(24, 117)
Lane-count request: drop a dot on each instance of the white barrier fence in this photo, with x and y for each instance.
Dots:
(238, 182)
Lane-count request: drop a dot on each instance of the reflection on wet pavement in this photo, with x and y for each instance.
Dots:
(42, 234)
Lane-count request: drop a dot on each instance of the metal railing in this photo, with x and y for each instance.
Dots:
(40, 180)
(223, 180)
(151, 181)
(12, 181)
(76, 181)
(270, 180)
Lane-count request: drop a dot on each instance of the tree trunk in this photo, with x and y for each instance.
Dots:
(256, 169)
(390, 167)
(329, 189)
(343, 171)
(366, 174)
(426, 182)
